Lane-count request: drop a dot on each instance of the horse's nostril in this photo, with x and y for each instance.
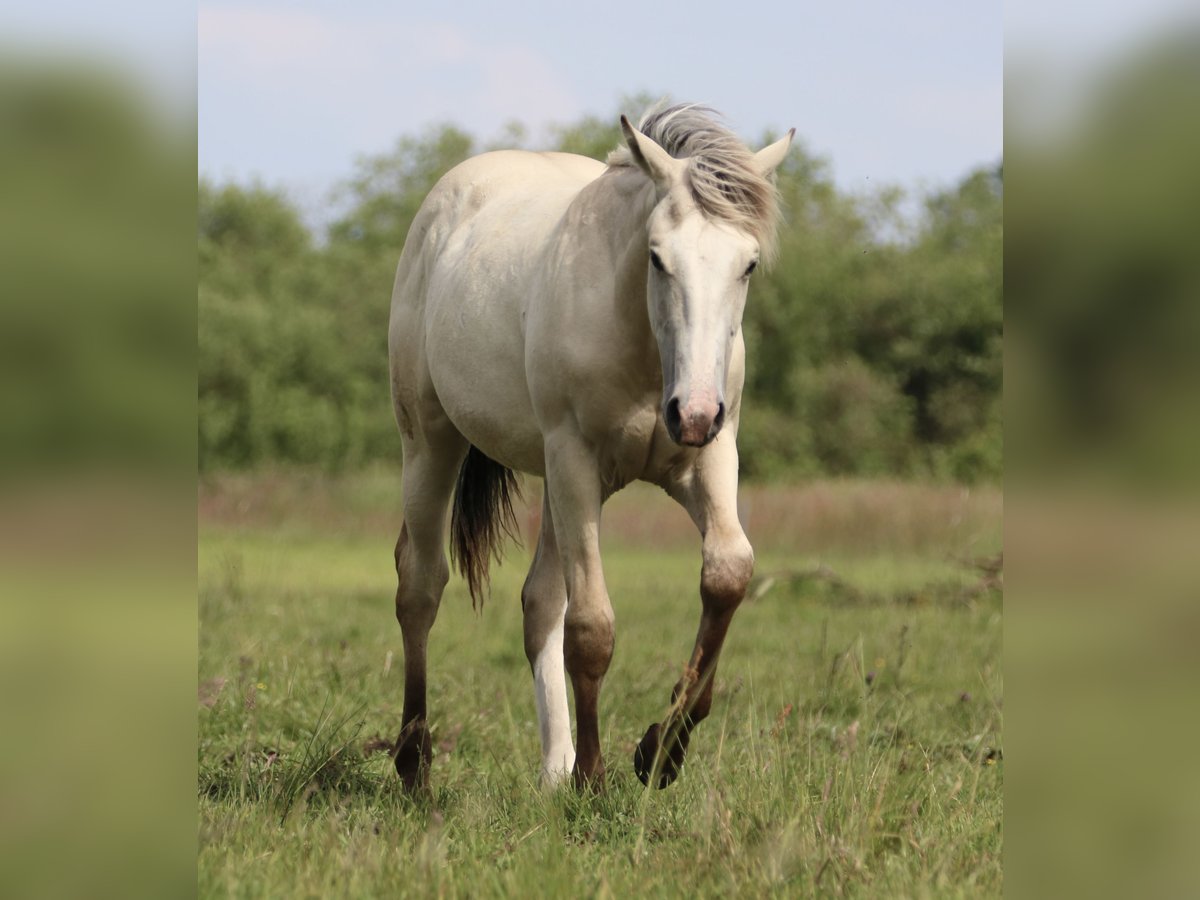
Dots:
(720, 419)
(671, 416)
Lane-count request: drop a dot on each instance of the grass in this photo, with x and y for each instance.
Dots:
(854, 747)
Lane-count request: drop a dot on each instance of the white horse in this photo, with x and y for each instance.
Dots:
(580, 322)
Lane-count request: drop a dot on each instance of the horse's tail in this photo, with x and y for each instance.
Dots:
(481, 518)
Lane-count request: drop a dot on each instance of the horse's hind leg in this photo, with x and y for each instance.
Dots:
(544, 601)
(709, 493)
(430, 469)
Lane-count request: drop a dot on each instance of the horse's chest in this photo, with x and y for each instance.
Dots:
(635, 447)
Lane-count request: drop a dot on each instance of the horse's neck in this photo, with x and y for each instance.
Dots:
(617, 212)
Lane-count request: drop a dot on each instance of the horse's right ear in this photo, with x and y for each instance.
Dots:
(652, 159)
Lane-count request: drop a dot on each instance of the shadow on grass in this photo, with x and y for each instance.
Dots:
(821, 583)
(328, 766)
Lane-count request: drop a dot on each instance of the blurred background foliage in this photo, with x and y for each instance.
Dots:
(874, 343)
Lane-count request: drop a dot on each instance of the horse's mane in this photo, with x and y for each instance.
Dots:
(721, 175)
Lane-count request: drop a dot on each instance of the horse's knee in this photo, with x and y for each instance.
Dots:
(588, 637)
(543, 616)
(728, 567)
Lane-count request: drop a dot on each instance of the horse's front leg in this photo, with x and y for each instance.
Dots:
(574, 488)
(708, 491)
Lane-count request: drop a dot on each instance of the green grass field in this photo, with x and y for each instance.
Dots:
(854, 747)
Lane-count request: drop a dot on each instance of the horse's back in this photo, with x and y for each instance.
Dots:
(539, 182)
(470, 263)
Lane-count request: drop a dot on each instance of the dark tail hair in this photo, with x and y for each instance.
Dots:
(481, 518)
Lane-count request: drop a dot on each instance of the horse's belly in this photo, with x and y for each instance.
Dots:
(478, 373)
(515, 443)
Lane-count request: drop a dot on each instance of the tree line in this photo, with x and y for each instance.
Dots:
(873, 344)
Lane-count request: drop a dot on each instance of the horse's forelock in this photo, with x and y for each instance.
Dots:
(721, 174)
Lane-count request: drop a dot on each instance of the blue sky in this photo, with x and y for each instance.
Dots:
(292, 92)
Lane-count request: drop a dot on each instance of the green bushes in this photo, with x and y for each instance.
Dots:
(874, 343)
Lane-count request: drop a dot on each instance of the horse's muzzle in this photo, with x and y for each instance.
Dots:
(696, 423)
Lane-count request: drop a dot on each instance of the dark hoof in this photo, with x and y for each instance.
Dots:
(670, 763)
(588, 781)
(414, 753)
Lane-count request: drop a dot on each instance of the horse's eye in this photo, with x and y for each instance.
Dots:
(656, 262)
(750, 268)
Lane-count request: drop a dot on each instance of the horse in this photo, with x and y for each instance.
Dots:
(580, 322)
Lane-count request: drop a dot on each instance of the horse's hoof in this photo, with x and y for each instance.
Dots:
(414, 753)
(588, 782)
(643, 759)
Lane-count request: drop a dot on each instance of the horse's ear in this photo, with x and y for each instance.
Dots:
(652, 159)
(767, 159)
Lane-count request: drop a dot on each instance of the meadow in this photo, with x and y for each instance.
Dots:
(855, 745)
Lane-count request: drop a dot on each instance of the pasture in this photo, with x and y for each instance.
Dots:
(854, 747)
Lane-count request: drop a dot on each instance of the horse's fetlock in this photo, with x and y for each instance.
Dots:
(413, 755)
(700, 709)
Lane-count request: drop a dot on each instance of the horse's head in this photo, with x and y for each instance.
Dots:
(704, 243)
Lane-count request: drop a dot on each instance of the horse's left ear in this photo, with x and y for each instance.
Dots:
(767, 159)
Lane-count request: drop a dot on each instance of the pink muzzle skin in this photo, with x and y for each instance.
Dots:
(696, 421)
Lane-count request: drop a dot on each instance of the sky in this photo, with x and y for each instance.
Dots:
(292, 93)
